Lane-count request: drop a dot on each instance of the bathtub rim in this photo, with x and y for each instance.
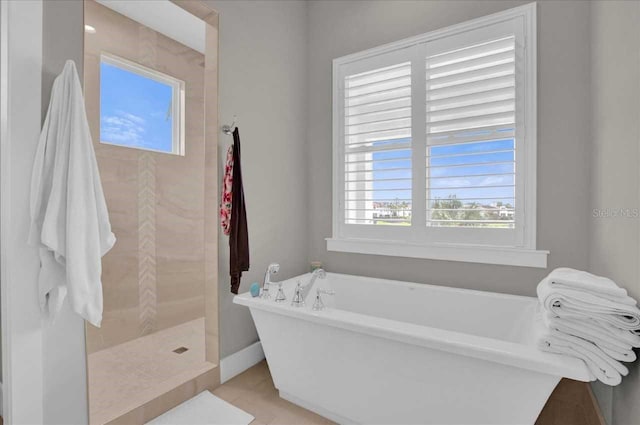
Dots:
(490, 349)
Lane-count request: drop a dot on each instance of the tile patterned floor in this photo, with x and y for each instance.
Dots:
(126, 376)
(131, 374)
(253, 392)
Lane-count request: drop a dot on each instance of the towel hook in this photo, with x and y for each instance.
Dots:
(229, 129)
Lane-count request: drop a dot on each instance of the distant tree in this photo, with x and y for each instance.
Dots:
(452, 209)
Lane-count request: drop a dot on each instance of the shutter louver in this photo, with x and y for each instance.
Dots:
(377, 146)
(471, 121)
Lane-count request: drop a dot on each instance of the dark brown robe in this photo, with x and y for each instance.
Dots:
(239, 234)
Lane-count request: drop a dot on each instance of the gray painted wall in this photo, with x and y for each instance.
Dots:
(615, 179)
(259, 41)
(65, 376)
(263, 81)
(23, 333)
(290, 43)
(340, 28)
(564, 146)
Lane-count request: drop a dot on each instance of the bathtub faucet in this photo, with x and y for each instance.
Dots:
(317, 273)
(273, 268)
(301, 292)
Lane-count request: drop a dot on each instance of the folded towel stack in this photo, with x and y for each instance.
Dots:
(591, 318)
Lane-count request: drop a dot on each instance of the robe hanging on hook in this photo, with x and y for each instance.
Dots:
(229, 129)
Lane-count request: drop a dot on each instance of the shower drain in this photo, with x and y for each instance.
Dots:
(180, 350)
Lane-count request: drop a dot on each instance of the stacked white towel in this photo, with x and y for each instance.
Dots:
(591, 318)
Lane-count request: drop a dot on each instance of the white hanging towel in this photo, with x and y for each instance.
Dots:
(69, 218)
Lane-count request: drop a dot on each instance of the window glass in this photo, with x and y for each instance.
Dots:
(137, 108)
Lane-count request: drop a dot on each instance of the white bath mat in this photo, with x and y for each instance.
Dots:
(204, 409)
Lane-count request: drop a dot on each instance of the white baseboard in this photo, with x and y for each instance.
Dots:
(238, 362)
(316, 409)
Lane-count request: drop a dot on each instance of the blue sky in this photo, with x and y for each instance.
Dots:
(134, 110)
(447, 162)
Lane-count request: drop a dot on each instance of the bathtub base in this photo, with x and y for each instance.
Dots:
(387, 352)
(353, 378)
(316, 409)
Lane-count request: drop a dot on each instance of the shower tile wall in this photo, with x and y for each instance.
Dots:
(154, 277)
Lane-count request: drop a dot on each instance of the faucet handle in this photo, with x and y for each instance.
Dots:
(280, 297)
(318, 305)
(298, 299)
(265, 291)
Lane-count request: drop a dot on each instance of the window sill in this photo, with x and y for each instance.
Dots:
(467, 253)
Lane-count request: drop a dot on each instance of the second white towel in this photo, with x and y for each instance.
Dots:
(590, 330)
(605, 368)
(567, 301)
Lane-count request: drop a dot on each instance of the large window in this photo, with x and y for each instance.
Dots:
(435, 145)
(140, 107)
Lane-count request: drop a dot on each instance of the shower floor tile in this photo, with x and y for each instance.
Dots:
(127, 376)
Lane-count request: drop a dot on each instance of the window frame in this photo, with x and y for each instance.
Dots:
(178, 101)
(418, 241)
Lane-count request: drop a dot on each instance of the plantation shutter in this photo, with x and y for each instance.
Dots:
(377, 146)
(471, 89)
(435, 142)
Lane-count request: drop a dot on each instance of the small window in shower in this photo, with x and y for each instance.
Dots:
(140, 107)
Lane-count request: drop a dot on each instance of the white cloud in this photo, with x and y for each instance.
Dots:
(496, 180)
(470, 181)
(131, 117)
(122, 128)
(452, 182)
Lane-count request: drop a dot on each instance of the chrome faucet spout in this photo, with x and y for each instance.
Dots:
(317, 273)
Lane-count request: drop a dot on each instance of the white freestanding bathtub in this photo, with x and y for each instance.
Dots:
(389, 352)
